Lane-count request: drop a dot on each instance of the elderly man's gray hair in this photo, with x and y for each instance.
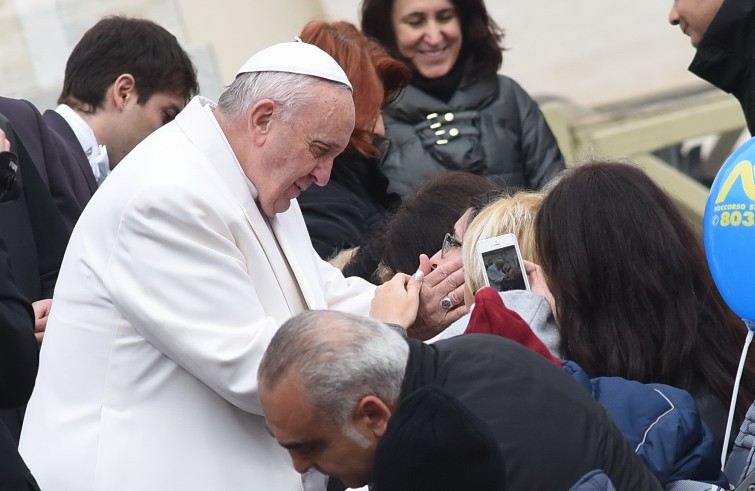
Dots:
(340, 358)
(289, 91)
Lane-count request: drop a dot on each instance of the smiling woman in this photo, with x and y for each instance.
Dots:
(457, 113)
(429, 38)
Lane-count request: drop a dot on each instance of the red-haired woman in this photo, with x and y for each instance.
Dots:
(339, 214)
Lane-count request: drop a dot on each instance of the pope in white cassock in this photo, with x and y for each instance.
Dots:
(177, 275)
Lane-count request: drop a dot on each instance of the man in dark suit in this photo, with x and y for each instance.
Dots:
(35, 239)
(18, 350)
(32, 227)
(124, 79)
(18, 367)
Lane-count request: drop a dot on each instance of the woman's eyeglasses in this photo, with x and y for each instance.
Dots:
(449, 242)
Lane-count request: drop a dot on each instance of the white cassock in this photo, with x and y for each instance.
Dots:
(172, 285)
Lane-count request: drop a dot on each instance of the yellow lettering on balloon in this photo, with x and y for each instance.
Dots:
(746, 172)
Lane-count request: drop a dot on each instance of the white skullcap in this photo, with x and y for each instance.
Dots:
(296, 57)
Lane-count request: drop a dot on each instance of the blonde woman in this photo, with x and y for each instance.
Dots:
(513, 214)
(508, 215)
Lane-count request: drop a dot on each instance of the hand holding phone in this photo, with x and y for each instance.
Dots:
(501, 263)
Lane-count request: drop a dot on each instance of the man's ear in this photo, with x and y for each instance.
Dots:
(261, 120)
(372, 414)
(123, 91)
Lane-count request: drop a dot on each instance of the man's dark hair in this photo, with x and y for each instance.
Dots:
(118, 45)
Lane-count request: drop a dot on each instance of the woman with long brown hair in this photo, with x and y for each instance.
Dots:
(633, 294)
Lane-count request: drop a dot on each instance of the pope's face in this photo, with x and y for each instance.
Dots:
(293, 156)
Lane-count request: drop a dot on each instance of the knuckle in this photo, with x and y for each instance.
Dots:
(451, 283)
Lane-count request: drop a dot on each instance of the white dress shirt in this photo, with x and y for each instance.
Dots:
(96, 154)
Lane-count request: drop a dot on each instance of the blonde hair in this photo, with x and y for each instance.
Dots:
(509, 215)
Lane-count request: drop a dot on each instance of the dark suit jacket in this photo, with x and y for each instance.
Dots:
(18, 368)
(57, 155)
(32, 227)
(36, 238)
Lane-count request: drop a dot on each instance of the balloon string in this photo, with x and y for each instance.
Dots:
(734, 394)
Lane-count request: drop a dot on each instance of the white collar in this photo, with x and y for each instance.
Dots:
(208, 107)
(96, 154)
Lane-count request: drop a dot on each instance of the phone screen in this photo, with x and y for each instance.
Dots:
(503, 269)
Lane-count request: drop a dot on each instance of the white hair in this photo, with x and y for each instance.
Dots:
(289, 91)
(340, 358)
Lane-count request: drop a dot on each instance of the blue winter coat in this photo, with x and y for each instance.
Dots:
(662, 425)
(596, 480)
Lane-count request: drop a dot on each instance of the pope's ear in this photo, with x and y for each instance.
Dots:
(372, 414)
(261, 119)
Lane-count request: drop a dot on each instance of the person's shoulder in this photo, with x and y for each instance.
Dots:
(10, 105)
(511, 88)
(23, 116)
(483, 344)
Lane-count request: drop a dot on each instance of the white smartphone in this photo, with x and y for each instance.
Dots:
(501, 263)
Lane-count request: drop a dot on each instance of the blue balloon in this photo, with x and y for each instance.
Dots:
(729, 231)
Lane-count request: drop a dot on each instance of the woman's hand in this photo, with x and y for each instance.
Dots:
(397, 300)
(445, 281)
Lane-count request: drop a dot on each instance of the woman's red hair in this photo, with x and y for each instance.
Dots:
(377, 78)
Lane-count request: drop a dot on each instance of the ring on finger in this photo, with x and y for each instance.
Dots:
(446, 303)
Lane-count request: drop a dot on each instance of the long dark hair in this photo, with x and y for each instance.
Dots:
(420, 223)
(481, 37)
(633, 292)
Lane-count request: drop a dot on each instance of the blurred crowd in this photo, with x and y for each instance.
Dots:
(292, 288)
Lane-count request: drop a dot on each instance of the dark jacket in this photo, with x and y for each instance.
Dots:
(31, 226)
(35, 240)
(726, 54)
(73, 183)
(594, 481)
(18, 368)
(492, 127)
(550, 431)
(741, 461)
(340, 214)
(56, 154)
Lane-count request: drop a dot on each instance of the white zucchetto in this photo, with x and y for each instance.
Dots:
(296, 57)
